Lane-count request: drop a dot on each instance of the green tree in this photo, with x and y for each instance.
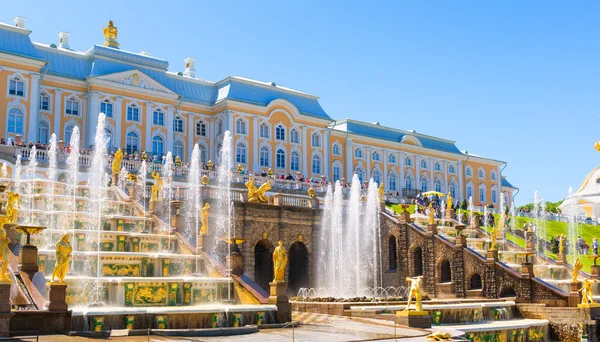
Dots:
(463, 205)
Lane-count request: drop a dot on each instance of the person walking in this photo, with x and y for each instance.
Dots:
(595, 246)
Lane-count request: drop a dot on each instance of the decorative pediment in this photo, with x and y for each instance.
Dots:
(133, 78)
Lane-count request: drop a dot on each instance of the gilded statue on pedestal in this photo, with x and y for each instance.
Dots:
(157, 187)
(116, 163)
(381, 193)
(12, 206)
(4, 241)
(449, 201)
(586, 292)
(415, 292)
(577, 266)
(280, 259)
(63, 257)
(110, 35)
(311, 192)
(204, 219)
(177, 161)
(257, 195)
(561, 244)
(431, 213)
(493, 237)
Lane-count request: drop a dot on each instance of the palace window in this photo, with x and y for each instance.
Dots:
(438, 167)
(69, 133)
(16, 87)
(376, 156)
(336, 150)
(203, 155)
(201, 128)
(336, 173)
(392, 158)
(264, 156)
(439, 185)
(178, 124)
(453, 189)
(480, 173)
(493, 175)
(392, 180)
(72, 106)
(469, 171)
(264, 130)
(360, 173)
(316, 164)
(280, 132)
(294, 136)
(377, 177)
(178, 150)
(15, 121)
(133, 113)
(240, 153)
(43, 132)
(295, 161)
(424, 184)
(423, 164)
(494, 199)
(132, 142)
(469, 191)
(240, 127)
(316, 140)
(358, 153)
(451, 170)
(482, 193)
(158, 145)
(219, 127)
(408, 161)
(108, 138)
(280, 159)
(158, 118)
(408, 182)
(106, 108)
(44, 102)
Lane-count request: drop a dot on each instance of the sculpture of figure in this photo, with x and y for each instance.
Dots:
(280, 259)
(12, 205)
(561, 244)
(270, 172)
(177, 161)
(110, 35)
(210, 165)
(449, 201)
(4, 241)
(204, 219)
(586, 292)
(156, 188)
(144, 156)
(257, 195)
(415, 292)
(240, 169)
(116, 163)
(431, 213)
(311, 192)
(493, 237)
(381, 193)
(63, 257)
(577, 266)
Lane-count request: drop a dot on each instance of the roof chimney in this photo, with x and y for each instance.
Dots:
(190, 67)
(20, 22)
(146, 53)
(63, 40)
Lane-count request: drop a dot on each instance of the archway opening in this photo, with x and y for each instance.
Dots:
(446, 272)
(392, 253)
(508, 292)
(263, 264)
(298, 272)
(418, 261)
(475, 282)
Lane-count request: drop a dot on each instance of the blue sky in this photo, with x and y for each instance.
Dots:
(511, 80)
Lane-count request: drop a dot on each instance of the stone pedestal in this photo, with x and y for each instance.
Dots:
(492, 255)
(527, 270)
(461, 241)
(236, 263)
(278, 297)
(574, 294)
(561, 259)
(28, 260)
(57, 296)
(313, 203)
(474, 223)
(132, 191)
(449, 213)
(432, 228)
(414, 319)
(405, 216)
(115, 179)
(530, 246)
(596, 271)
(5, 297)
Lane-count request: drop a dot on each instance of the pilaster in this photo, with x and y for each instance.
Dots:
(92, 117)
(118, 113)
(58, 114)
(34, 107)
(148, 136)
(170, 133)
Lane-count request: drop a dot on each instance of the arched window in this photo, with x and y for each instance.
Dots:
(68, 133)
(280, 132)
(294, 136)
(15, 121)
(219, 127)
(201, 128)
(240, 127)
(439, 185)
(264, 130)
(424, 184)
(418, 261)
(336, 149)
(108, 138)
(408, 182)
(16, 87)
(240, 153)
(408, 161)
(481, 173)
(446, 272)
(451, 169)
(132, 142)
(72, 106)
(264, 156)
(295, 161)
(43, 132)
(392, 158)
(482, 193)
(438, 166)
(316, 164)
(158, 118)
(316, 140)
(107, 108)
(358, 153)
(493, 175)
(178, 124)
(475, 282)
(377, 177)
(376, 156)
(158, 145)
(423, 164)
(469, 171)
(280, 159)
(44, 101)
(337, 173)
(392, 256)
(470, 190)
(203, 156)
(133, 113)
(360, 173)
(178, 150)
(392, 182)
(453, 188)
(494, 195)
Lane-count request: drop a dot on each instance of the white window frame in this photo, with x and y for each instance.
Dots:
(375, 155)
(280, 132)
(358, 153)
(241, 158)
(392, 158)
(158, 118)
(437, 166)
(133, 118)
(319, 169)
(423, 163)
(378, 173)
(201, 128)
(315, 139)
(336, 149)
(280, 163)
(408, 161)
(132, 139)
(264, 131)
(107, 103)
(361, 173)
(70, 103)
(481, 173)
(49, 104)
(451, 169)
(241, 126)
(295, 166)
(392, 181)
(469, 171)
(178, 124)
(264, 156)
(18, 79)
(20, 115)
(493, 175)
(47, 127)
(155, 140)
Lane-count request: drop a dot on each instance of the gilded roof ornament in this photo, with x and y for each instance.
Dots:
(110, 35)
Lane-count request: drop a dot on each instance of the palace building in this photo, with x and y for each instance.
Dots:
(47, 88)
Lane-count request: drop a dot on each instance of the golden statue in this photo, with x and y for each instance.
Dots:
(63, 257)
(4, 241)
(448, 201)
(240, 169)
(439, 336)
(204, 219)
(12, 206)
(157, 187)
(415, 292)
(493, 237)
(116, 163)
(110, 35)
(381, 193)
(177, 161)
(586, 292)
(597, 145)
(257, 195)
(311, 192)
(431, 213)
(210, 165)
(131, 177)
(270, 172)
(144, 155)
(561, 244)
(577, 266)
(280, 259)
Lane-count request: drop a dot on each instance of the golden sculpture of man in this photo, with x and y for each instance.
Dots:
(577, 266)
(381, 193)
(116, 163)
(4, 241)
(257, 195)
(586, 292)
(493, 237)
(12, 206)
(156, 188)
(204, 219)
(311, 192)
(415, 292)
(561, 244)
(449, 201)
(110, 35)
(431, 213)
(63, 257)
(280, 259)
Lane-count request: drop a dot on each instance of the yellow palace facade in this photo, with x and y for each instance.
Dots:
(47, 88)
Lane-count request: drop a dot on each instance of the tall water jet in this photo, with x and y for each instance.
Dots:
(4, 171)
(122, 181)
(572, 225)
(485, 216)
(193, 202)
(30, 171)
(352, 263)
(502, 219)
(372, 234)
(17, 174)
(52, 161)
(471, 209)
(330, 242)
(167, 189)
(140, 192)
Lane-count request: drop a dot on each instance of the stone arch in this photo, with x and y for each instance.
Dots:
(298, 269)
(475, 282)
(417, 257)
(445, 271)
(263, 263)
(392, 253)
(508, 291)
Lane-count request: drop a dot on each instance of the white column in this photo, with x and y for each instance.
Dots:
(213, 138)
(326, 149)
(118, 113)
(445, 173)
(401, 184)
(461, 190)
(255, 130)
(349, 156)
(417, 172)
(92, 117)
(170, 117)
(431, 174)
(191, 134)
(34, 108)
(148, 115)
(230, 123)
(368, 157)
(304, 131)
(58, 114)
(384, 154)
